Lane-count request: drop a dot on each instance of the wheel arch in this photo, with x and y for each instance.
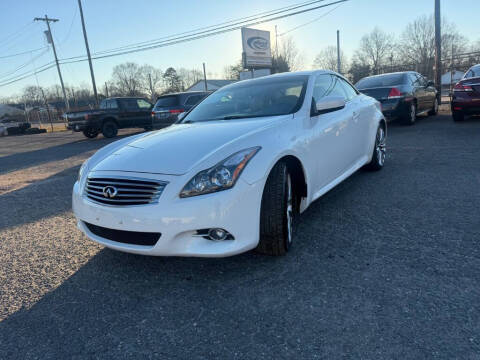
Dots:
(109, 118)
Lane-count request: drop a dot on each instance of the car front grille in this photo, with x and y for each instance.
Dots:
(125, 237)
(123, 191)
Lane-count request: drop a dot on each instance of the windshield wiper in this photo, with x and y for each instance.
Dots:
(232, 117)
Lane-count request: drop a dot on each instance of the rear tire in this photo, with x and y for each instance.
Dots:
(109, 129)
(277, 213)
(458, 116)
(90, 133)
(434, 110)
(411, 117)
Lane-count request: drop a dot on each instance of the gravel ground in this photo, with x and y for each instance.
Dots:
(386, 265)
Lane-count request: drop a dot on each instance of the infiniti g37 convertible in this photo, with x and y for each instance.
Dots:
(234, 172)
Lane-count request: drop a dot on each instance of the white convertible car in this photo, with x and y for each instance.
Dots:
(234, 172)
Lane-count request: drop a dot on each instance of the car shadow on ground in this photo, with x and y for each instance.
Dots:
(38, 200)
(121, 304)
(27, 159)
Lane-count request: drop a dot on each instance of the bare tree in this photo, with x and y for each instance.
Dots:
(32, 95)
(232, 72)
(288, 58)
(188, 77)
(417, 43)
(327, 59)
(374, 50)
(128, 79)
(152, 81)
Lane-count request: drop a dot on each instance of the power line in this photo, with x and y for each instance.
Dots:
(311, 21)
(212, 28)
(23, 65)
(216, 26)
(212, 33)
(23, 52)
(192, 37)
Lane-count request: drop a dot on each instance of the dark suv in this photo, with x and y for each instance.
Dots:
(403, 95)
(466, 95)
(113, 114)
(168, 107)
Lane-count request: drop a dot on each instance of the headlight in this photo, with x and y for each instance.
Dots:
(220, 177)
(82, 170)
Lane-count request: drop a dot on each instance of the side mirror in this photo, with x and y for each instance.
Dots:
(329, 104)
(430, 83)
(181, 116)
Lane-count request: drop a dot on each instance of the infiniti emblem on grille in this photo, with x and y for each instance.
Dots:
(110, 191)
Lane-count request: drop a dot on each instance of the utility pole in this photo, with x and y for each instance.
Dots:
(106, 89)
(151, 87)
(438, 50)
(50, 40)
(205, 77)
(88, 52)
(276, 43)
(338, 52)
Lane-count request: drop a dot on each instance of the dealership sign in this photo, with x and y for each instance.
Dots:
(256, 48)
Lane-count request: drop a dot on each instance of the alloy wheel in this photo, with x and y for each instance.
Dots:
(380, 147)
(289, 210)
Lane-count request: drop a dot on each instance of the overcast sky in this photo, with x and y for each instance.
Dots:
(115, 23)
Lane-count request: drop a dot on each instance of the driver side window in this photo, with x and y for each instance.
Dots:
(327, 85)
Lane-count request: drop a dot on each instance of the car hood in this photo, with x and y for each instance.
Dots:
(179, 148)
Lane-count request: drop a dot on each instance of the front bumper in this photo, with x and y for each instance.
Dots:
(236, 210)
(77, 125)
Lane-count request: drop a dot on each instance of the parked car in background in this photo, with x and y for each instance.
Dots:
(235, 172)
(403, 95)
(112, 114)
(168, 107)
(466, 95)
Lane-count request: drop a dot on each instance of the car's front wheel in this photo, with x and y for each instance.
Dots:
(379, 151)
(90, 133)
(278, 212)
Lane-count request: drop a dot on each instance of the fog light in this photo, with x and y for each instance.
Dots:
(217, 234)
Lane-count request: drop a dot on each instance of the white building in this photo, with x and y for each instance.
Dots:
(212, 85)
(453, 78)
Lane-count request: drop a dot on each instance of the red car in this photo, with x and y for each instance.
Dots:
(466, 95)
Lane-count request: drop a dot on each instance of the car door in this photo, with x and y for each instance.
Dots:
(421, 93)
(358, 129)
(144, 113)
(329, 133)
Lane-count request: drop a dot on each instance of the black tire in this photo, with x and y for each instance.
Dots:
(278, 212)
(411, 116)
(109, 129)
(379, 150)
(90, 133)
(434, 110)
(458, 116)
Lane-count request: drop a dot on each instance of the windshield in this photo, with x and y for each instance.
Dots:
(258, 98)
(381, 81)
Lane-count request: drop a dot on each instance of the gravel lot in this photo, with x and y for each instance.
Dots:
(386, 265)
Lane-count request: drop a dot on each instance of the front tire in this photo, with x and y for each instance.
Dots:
(90, 133)
(109, 129)
(277, 213)
(379, 151)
